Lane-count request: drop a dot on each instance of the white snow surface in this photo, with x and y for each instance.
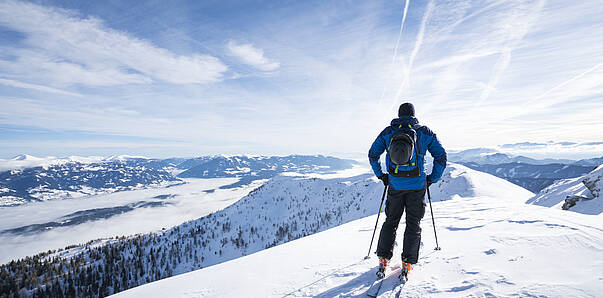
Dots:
(554, 195)
(461, 181)
(493, 244)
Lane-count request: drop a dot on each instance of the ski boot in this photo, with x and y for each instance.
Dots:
(383, 262)
(406, 268)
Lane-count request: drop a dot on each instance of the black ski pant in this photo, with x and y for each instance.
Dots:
(413, 201)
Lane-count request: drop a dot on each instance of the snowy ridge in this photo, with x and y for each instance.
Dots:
(580, 194)
(492, 246)
(461, 181)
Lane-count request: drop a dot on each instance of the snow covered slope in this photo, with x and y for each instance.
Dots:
(580, 194)
(492, 245)
(461, 181)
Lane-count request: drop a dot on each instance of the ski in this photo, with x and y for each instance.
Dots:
(375, 288)
(397, 288)
(390, 286)
(373, 291)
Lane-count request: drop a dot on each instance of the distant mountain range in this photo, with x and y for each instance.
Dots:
(251, 168)
(76, 179)
(532, 174)
(26, 178)
(591, 161)
(493, 156)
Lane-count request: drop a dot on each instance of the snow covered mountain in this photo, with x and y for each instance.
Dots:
(253, 168)
(493, 245)
(580, 194)
(26, 178)
(283, 209)
(533, 153)
(493, 156)
(532, 174)
(591, 161)
(533, 177)
(260, 166)
(36, 179)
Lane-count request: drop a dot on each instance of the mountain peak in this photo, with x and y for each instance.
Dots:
(26, 157)
(124, 157)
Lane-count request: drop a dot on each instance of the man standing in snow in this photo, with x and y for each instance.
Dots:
(406, 143)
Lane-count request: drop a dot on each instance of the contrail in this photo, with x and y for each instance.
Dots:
(414, 52)
(523, 108)
(461, 20)
(505, 56)
(395, 49)
(563, 84)
(400, 34)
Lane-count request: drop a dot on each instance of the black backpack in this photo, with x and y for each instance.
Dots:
(402, 146)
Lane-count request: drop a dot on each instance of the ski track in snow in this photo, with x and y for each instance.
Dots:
(492, 246)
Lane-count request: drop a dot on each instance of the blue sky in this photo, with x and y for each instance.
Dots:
(183, 78)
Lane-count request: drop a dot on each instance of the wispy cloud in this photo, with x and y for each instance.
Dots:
(36, 87)
(518, 25)
(64, 48)
(251, 55)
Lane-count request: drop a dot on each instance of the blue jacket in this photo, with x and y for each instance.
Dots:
(427, 140)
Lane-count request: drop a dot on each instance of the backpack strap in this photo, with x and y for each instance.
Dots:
(418, 145)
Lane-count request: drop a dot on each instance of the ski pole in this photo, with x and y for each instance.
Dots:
(372, 238)
(433, 220)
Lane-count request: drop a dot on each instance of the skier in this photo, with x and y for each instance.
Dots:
(406, 143)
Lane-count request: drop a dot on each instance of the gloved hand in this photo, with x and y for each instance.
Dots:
(384, 178)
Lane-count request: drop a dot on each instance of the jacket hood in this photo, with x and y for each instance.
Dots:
(405, 120)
